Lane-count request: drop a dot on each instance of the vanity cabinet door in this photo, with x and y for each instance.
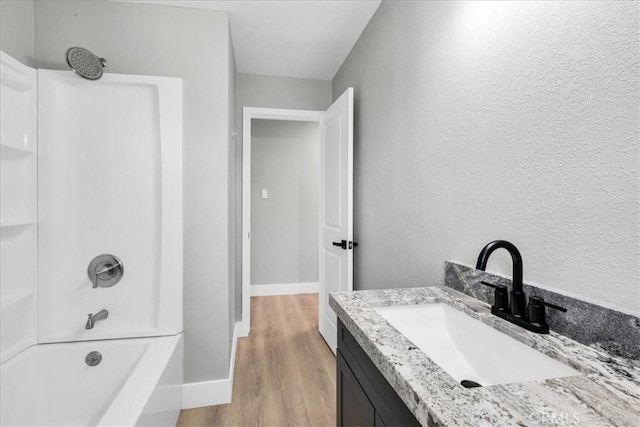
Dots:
(387, 407)
(354, 408)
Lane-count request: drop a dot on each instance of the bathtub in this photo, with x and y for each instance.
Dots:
(138, 382)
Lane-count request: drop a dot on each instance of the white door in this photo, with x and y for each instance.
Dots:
(336, 209)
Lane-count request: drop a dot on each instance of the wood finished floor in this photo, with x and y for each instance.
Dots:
(285, 375)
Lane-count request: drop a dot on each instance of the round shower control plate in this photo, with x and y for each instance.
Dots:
(115, 270)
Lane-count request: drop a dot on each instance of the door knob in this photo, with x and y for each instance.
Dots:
(342, 244)
(346, 245)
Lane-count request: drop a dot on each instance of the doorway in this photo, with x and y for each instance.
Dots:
(276, 211)
(284, 207)
(335, 213)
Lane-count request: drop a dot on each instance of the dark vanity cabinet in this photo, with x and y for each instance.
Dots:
(365, 398)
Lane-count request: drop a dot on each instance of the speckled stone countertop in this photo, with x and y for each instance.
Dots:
(608, 392)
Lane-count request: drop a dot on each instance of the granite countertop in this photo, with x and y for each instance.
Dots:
(608, 392)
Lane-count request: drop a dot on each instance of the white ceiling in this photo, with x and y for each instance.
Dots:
(290, 38)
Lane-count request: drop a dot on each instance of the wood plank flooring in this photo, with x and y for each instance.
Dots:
(285, 374)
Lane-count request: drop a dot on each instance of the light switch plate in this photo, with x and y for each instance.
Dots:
(265, 193)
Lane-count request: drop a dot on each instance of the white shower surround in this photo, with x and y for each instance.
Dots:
(18, 225)
(109, 181)
(118, 139)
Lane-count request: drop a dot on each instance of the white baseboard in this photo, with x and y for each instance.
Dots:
(284, 289)
(215, 392)
(243, 328)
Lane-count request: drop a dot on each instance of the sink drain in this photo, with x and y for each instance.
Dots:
(469, 384)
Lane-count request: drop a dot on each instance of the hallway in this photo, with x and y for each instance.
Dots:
(284, 371)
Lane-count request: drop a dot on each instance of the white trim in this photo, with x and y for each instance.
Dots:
(215, 392)
(249, 113)
(282, 114)
(284, 289)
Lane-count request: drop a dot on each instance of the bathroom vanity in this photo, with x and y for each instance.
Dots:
(384, 379)
(365, 398)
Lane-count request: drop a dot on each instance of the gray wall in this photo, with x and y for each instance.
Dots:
(194, 45)
(284, 227)
(511, 120)
(269, 92)
(16, 30)
(231, 203)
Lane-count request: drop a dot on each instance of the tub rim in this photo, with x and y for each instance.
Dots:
(127, 407)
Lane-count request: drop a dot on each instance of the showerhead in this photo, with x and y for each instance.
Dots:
(84, 63)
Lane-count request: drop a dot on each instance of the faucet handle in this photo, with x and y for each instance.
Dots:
(539, 301)
(500, 296)
(105, 271)
(555, 307)
(537, 312)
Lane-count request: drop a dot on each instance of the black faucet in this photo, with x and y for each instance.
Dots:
(516, 302)
(513, 308)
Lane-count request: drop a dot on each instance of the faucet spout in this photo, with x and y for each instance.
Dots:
(93, 318)
(517, 303)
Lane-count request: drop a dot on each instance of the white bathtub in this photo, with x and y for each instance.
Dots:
(137, 383)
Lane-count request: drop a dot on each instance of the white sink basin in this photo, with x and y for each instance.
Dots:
(467, 349)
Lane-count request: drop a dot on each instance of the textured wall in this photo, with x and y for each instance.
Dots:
(231, 203)
(17, 29)
(194, 45)
(284, 227)
(512, 120)
(269, 92)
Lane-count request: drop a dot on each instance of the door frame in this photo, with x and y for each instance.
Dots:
(248, 114)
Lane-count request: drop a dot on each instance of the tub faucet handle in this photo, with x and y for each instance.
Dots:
(105, 271)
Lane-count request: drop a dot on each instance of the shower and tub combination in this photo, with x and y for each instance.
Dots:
(91, 256)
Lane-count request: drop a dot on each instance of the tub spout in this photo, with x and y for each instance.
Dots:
(91, 321)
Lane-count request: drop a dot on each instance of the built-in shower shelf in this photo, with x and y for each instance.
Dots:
(16, 223)
(17, 322)
(14, 297)
(10, 151)
(18, 208)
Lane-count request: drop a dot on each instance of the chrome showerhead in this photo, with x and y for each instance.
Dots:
(84, 63)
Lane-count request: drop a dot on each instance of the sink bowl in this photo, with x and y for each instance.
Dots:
(469, 350)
